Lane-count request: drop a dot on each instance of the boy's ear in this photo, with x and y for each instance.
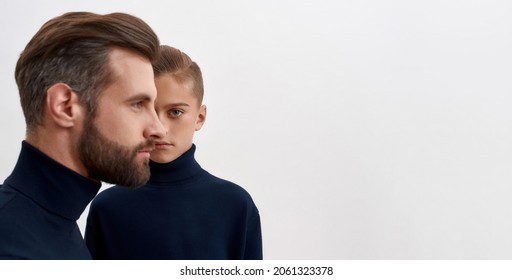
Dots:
(201, 117)
(63, 105)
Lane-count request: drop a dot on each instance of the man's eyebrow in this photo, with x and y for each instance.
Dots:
(140, 97)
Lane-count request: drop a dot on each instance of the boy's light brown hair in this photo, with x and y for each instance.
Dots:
(178, 64)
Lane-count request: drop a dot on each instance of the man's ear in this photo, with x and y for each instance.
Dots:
(201, 117)
(63, 105)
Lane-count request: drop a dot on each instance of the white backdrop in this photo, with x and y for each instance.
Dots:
(363, 129)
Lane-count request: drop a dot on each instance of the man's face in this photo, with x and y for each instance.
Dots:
(117, 139)
(181, 115)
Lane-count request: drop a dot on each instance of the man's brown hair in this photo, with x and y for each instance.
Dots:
(74, 49)
(178, 64)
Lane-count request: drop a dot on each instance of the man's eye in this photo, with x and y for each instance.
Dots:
(137, 105)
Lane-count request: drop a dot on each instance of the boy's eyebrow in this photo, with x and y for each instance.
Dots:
(176, 104)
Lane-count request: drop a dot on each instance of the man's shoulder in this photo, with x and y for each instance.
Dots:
(7, 195)
(15, 206)
(17, 215)
(8, 211)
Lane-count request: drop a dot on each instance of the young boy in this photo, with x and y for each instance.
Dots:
(183, 212)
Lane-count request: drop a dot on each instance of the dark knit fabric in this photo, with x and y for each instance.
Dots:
(182, 213)
(39, 205)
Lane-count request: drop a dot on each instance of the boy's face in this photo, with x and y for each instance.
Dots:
(178, 110)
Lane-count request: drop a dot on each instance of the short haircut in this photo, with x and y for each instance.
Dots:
(178, 64)
(74, 49)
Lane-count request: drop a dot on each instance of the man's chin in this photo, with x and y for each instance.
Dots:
(111, 162)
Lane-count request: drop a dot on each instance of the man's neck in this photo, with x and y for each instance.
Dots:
(58, 147)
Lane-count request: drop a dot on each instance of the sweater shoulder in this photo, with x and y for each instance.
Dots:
(225, 185)
(229, 188)
(110, 197)
(15, 206)
(10, 209)
(6, 196)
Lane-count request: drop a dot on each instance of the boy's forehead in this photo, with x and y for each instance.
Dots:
(172, 91)
(171, 84)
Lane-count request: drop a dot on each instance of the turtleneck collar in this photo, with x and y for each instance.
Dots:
(50, 184)
(181, 169)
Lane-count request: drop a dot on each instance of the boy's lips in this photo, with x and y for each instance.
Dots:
(161, 145)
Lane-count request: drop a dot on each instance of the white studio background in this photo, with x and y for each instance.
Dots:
(362, 129)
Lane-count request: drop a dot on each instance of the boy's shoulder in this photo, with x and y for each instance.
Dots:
(111, 196)
(227, 187)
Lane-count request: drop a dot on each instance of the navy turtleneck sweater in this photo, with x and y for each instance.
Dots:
(39, 205)
(183, 212)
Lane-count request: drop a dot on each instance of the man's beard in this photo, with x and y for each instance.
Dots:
(110, 162)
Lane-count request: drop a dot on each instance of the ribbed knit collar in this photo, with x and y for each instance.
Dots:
(177, 171)
(50, 184)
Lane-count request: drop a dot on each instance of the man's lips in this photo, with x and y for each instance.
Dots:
(146, 150)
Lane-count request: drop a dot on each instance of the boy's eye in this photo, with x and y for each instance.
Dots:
(175, 113)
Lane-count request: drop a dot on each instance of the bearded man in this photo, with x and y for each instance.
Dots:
(87, 92)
